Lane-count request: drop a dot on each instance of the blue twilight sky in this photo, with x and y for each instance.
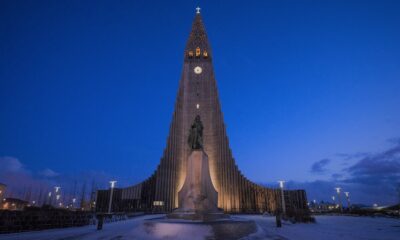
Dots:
(310, 90)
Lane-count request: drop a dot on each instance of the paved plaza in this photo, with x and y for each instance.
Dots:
(149, 227)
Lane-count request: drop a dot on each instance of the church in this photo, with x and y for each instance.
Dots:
(198, 96)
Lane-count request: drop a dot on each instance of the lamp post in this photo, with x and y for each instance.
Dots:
(112, 185)
(334, 204)
(281, 182)
(50, 198)
(58, 196)
(57, 190)
(339, 199)
(348, 199)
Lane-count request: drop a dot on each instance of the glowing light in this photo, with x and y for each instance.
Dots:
(197, 106)
(112, 183)
(49, 194)
(57, 189)
(58, 197)
(158, 203)
(338, 189)
(198, 10)
(346, 193)
(281, 182)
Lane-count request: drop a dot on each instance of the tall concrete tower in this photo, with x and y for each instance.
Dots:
(198, 95)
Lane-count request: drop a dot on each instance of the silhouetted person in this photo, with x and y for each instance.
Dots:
(278, 219)
(100, 219)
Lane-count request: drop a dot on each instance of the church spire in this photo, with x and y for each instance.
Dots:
(197, 45)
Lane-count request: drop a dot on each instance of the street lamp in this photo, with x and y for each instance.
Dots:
(50, 198)
(339, 199)
(57, 190)
(112, 185)
(281, 182)
(348, 199)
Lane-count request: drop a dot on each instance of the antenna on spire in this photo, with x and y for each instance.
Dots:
(198, 10)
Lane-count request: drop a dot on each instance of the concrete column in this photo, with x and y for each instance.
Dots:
(111, 195)
(282, 197)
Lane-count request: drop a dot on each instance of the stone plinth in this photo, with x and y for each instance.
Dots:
(198, 199)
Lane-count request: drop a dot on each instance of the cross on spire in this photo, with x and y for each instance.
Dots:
(198, 10)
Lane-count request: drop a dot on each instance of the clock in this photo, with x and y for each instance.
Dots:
(197, 70)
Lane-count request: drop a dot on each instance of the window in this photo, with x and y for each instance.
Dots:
(197, 52)
(158, 203)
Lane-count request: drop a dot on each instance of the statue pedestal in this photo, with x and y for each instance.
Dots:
(198, 199)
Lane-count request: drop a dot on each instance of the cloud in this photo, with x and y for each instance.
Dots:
(11, 164)
(378, 169)
(27, 184)
(49, 173)
(370, 177)
(352, 156)
(319, 167)
(394, 140)
(337, 176)
(19, 180)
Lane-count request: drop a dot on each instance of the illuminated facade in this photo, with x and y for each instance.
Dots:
(198, 95)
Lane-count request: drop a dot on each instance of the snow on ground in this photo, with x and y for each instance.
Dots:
(330, 227)
(326, 228)
(135, 228)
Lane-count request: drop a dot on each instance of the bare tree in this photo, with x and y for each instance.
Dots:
(83, 196)
(398, 192)
(39, 198)
(93, 195)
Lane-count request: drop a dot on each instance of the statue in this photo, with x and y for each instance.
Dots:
(195, 139)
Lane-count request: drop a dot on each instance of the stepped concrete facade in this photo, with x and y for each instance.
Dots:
(198, 95)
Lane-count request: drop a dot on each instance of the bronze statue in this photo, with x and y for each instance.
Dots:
(195, 139)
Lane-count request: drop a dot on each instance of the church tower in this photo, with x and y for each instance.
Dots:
(198, 95)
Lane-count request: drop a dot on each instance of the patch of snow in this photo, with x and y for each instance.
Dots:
(331, 227)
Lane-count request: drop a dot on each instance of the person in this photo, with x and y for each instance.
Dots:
(100, 219)
(278, 219)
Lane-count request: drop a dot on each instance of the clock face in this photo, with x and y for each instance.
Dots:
(198, 70)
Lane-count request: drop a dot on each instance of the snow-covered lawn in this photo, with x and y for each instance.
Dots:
(326, 228)
(330, 227)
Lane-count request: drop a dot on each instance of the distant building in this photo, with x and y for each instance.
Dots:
(3, 189)
(14, 204)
